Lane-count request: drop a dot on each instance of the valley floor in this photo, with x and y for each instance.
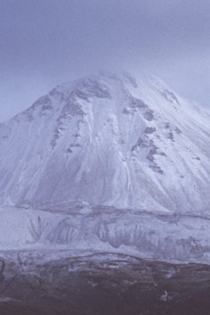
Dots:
(104, 284)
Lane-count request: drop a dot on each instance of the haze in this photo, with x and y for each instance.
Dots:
(47, 42)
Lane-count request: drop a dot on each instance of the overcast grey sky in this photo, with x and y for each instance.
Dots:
(47, 42)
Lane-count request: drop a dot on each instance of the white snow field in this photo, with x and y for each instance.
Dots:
(108, 163)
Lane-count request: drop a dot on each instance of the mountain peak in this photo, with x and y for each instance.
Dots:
(109, 140)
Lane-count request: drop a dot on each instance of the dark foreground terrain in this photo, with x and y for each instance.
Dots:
(102, 284)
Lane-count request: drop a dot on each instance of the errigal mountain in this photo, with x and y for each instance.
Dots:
(108, 163)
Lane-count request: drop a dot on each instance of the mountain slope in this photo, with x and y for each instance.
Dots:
(108, 140)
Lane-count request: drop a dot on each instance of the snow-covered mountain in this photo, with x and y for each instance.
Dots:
(117, 153)
(108, 140)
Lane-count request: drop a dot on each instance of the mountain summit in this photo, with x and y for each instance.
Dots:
(107, 164)
(108, 140)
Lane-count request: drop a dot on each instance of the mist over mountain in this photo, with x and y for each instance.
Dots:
(115, 163)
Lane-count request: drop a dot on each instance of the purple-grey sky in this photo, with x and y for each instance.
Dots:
(47, 42)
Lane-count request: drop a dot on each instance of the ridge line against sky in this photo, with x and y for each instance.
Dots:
(47, 42)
